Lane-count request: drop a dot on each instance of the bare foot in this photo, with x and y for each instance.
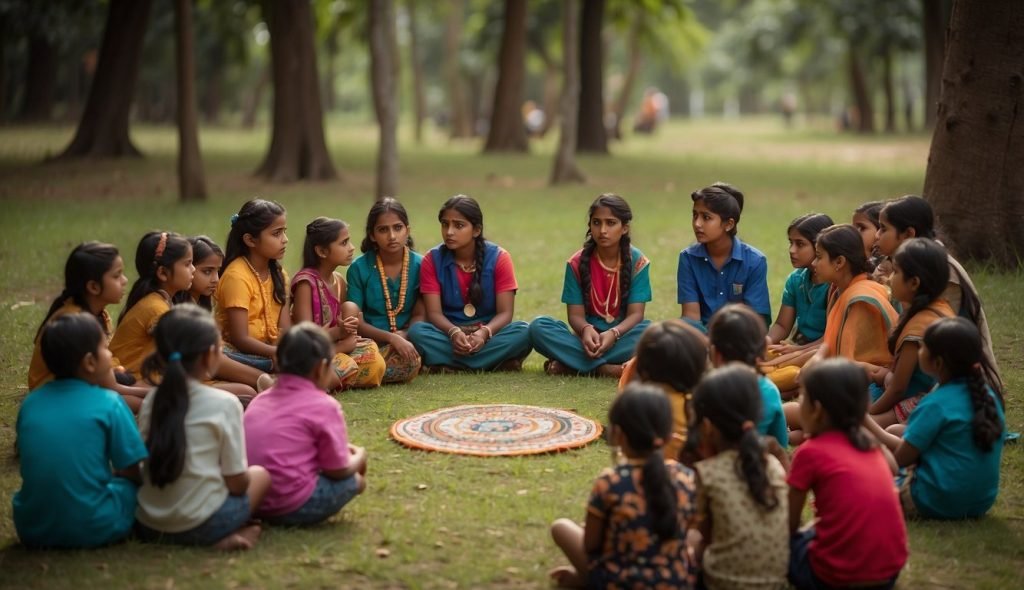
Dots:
(240, 540)
(264, 382)
(609, 370)
(553, 367)
(566, 576)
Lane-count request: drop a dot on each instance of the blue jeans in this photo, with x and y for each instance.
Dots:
(329, 496)
(231, 516)
(263, 363)
(802, 577)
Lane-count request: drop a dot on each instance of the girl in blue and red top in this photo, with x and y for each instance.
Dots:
(607, 284)
(469, 288)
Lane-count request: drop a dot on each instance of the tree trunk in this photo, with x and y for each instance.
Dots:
(552, 96)
(103, 129)
(632, 70)
(460, 117)
(298, 150)
(253, 99)
(40, 77)
(890, 91)
(974, 178)
(419, 100)
(861, 94)
(330, 70)
(591, 134)
(565, 169)
(213, 98)
(384, 80)
(934, 19)
(507, 132)
(191, 181)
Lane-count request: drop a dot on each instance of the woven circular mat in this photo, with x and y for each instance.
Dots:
(496, 430)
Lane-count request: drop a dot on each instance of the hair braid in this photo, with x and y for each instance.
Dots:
(625, 272)
(985, 425)
(585, 255)
(660, 495)
(752, 467)
(476, 291)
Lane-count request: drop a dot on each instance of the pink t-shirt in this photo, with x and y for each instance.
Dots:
(861, 536)
(504, 276)
(294, 430)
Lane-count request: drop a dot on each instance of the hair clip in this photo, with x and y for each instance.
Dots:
(234, 218)
(174, 357)
(161, 245)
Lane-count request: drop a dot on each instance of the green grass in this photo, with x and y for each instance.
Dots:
(478, 522)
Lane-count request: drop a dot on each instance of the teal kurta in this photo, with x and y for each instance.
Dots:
(364, 289)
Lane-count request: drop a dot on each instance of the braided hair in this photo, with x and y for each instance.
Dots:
(925, 260)
(89, 261)
(156, 250)
(255, 216)
(320, 233)
(620, 209)
(840, 386)
(470, 209)
(957, 343)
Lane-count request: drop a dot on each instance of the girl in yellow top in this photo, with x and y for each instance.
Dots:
(250, 301)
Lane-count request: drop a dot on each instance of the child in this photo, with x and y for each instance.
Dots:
(859, 538)
(469, 289)
(71, 431)
(207, 258)
(606, 285)
(251, 308)
(801, 318)
(93, 279)
(298, 433)
(741, 488)
(164, 263)
(384, 282)
(317, 295)
(197, 488)
(635, 531)
(673, 355)
(865, 220)
(957, 429)
(719, 268)
(911, 216)
(920, 275)
(737, 334)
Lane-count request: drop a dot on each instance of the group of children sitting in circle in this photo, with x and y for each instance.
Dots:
(238, 426)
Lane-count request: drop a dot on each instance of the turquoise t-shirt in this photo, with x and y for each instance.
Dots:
(954, 478)
(809, 300)
(70, 434)
(639, 288)
(364, 290)
(773, 419)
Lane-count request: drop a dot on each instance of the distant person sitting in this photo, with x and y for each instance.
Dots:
(647, 119)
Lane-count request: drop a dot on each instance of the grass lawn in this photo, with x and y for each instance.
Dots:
(478, 522)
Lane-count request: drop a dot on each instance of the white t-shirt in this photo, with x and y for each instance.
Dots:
(215, 443)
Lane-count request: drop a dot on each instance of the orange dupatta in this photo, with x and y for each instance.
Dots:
(860, 332)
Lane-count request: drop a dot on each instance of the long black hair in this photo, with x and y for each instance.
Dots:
(738, 333)
(156, 250)
(67, 340)
(841, 387)
(89, 261)
(644, 415)
(810, 225)
(620, 209)
(871, 210)
(730, 398)
(302, 348)
(385, 205)
(674, 353)
(927, 261)
(844, 240)
(470, 209)
(957, 342)
(254, 217)
(183, 335)
(722, 199)
(320, 232)
(202, 248)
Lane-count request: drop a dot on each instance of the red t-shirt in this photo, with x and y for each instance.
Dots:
(861, 536)
(504, 276)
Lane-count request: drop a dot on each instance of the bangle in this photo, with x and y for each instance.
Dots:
(616, 332)
(584, 329)
(489, 333)
(451, 333)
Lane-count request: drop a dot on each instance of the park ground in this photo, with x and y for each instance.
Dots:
(443, 521)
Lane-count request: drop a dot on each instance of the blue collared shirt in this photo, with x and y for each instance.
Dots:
(743, 279)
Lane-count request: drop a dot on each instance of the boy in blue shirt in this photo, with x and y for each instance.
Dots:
(70, 432)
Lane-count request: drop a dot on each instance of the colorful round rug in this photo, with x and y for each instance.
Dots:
(496, 430)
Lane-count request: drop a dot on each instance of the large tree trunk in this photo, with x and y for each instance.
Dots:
(384, 80)
(191, 181)
(591, 134)
(103, 129)
(890, 91)
(419, 100)
(213, 98)
(974, 178)
(507, 132)
(632, 70)
(934, 19)
(861, 94)
(565, 168)
(331, 70)
(460, 118)
(40, 77)
(298, 150)
(253, 99)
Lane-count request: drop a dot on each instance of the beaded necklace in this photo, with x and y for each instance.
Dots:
(263, 297)
(392, 312)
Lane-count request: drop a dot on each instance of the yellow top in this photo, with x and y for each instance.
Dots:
(240, 287)
(38, 372)
(133, 339)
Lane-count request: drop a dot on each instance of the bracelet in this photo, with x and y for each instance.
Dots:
(451, 333)
(616, 332)
(584, 329)
(489, 333)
